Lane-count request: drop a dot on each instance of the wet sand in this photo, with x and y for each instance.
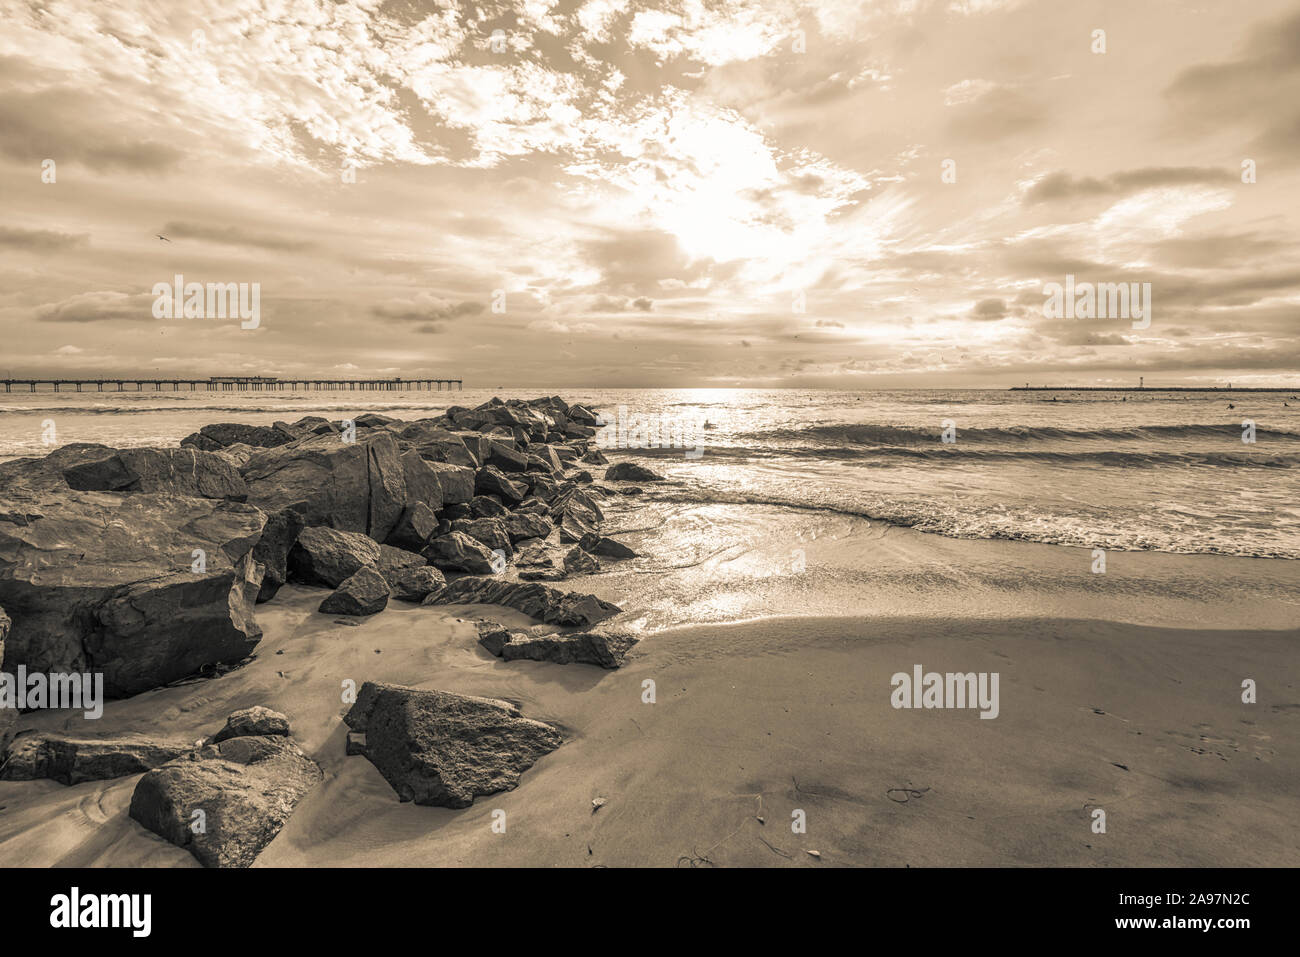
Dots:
(1103, 704)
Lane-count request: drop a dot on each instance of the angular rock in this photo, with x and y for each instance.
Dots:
(353, 487)
(458, 552)
(144, 588)
(327, 556)
(221, 434)
(485, 506)
(72, 759)
(457, 482)
(414, 529)
(257, 720)
(505, 457)
(631, 472)
(415, 584)
(272, 550)
(538, 601)
(393, 561)
(423, 485)
(444, 749)
(595, 457)
(246, 787)
(490, 480)
(578, 562)
(490, 531)
(365, 593)
(603, 545)
(522, 525)
(178, 471)
(584, 648)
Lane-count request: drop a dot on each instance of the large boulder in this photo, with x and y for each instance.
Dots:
(144, 588)
(327, 556)
(522, 525)
(458, 552)
(72, 759)
(602, 545)
(365, 593)
(351, 486)
(415, 584)
(433, 442)
(631, 472)
(506, 457)
(246, 788)
(423, 486)
(220, 434)
(490, 480)
(456, 481)
(444, 749)
(257, 720)
(583, 648)
(272, 550)
(579, 513)
(579, 562)
(490, 531)
(538, 601)
(187, 471)
(414, 528)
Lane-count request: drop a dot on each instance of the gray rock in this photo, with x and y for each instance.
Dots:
(110, 582)
(178, 471)
(256, 720)
(353, 487)
(490, 531)
(423, 484)
(457, 482)
(393, 561)
(222, 434)
(458, 552)
(601, 545)
(246, 787)
(272, 550)
(522, 525)
(631, 472)
(444, 749)
(415, 584)
(585, 648)
(365, 593)
(414, 528)
(490, 480)
(578, 562)
(538, 601)
(72, 759)
(327, 556)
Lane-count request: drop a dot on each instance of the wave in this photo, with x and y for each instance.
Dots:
(962, 521)
(917, 435)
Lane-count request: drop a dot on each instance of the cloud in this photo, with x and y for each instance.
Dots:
(97, 307)
(997, 113)
(1061, 185)
(232, 236)
(431, 311)
(40, 240)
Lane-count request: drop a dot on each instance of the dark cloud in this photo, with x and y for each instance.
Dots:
(232, 236)
(430, 311)
(62, 125)
(1061, 185)
(40, 240)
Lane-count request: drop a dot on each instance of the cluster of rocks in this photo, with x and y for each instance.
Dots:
(146, 565)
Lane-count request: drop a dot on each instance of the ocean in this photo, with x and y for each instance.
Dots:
(1129, 471)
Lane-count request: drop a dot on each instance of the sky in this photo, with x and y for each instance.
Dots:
(683, 194)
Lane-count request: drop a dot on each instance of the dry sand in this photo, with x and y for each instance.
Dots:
(778, 714)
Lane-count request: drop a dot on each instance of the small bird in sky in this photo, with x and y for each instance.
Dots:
(164, 239)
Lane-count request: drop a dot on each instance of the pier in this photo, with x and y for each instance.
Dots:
(236, 384)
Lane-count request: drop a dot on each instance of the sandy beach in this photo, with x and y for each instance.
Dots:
(1106, 702)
